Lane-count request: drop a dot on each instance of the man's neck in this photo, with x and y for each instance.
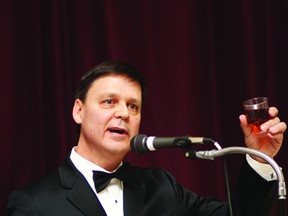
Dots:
(104, 160)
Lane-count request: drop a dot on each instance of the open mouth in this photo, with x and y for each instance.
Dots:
(117, 130)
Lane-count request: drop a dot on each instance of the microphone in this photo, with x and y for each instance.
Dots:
(142, 143)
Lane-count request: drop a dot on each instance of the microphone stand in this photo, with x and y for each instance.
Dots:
(243, 150)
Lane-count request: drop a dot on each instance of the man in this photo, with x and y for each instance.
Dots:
(107, 109)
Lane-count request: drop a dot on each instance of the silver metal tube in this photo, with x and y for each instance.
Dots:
(243, 150)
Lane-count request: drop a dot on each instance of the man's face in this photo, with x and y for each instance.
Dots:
(110, 115)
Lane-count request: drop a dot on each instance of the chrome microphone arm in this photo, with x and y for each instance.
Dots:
(211, 154)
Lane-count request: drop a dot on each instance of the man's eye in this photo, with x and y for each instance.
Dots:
(108, 101)
(133, 107)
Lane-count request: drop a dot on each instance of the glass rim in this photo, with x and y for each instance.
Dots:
(256, 102)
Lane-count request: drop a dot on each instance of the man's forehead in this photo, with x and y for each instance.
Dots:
(110, 85)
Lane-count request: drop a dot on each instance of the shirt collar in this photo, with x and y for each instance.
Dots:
(83, 165)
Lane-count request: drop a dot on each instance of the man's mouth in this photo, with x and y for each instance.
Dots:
(118, 130)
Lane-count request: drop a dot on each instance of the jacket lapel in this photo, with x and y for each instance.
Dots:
(134, 194)
(79, 191)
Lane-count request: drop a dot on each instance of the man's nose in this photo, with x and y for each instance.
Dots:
(122, 111)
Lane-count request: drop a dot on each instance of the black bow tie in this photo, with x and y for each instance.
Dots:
(102, 179)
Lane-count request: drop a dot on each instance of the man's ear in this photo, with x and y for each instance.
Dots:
(77, 111)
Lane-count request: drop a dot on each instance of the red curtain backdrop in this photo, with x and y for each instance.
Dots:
(201, 59)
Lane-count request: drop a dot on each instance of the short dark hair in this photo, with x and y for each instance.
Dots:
(107, 68)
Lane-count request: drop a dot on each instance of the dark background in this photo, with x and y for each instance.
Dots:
(201, 59)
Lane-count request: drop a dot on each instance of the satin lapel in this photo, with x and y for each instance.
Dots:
(85, 199)
(79, 191)
(134, 195)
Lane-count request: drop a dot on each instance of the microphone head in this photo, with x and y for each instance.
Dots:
(138, 144)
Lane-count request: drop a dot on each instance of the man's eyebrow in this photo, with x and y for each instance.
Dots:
(113, 94)
(108, 94)
(135, 100)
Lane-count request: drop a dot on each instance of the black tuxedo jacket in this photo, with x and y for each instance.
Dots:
(151, 192)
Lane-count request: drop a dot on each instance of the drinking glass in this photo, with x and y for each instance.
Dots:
(256, 111)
